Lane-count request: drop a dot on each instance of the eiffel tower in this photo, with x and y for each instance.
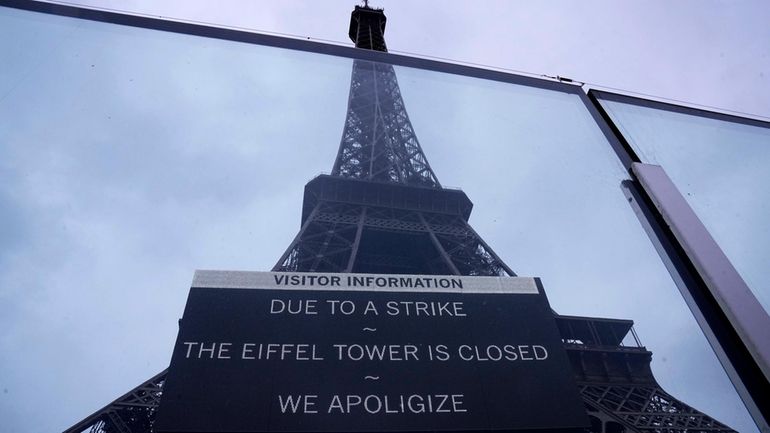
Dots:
(383, 210)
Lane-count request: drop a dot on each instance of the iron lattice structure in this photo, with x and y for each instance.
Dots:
(647, 409)
(616, 383)
(350, 225)
(383, 210)
(133, 412)
(378, 142)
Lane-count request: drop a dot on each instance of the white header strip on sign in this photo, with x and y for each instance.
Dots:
(376, 282)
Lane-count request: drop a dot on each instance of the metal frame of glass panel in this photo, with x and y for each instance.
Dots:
(728, 312)
(736, 338)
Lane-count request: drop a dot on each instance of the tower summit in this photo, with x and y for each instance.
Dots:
(367, 28)
(382, 210)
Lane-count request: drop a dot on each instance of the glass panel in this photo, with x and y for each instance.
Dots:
(546, 188)
(721, 168)
(132, 157)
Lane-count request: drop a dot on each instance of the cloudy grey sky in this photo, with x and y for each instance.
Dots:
(133, 157)
(704, 52)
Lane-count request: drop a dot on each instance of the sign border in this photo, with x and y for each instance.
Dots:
(216, 279)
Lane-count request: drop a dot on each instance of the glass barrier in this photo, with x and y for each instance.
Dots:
(720, 167)
(132, 157)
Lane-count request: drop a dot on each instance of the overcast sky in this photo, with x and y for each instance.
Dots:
(132, 158)
(708, 52)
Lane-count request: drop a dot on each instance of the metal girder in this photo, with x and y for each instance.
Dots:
(325, 241)
(378, 141)
(647, 408)
(133, 412)
(330, 239)
(439, 247)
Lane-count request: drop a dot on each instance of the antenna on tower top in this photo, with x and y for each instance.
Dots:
(366, 3)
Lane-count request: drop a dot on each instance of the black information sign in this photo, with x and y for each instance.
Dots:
(277, 352)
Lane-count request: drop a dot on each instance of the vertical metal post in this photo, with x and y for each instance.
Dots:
(357, 241)
(440, 248)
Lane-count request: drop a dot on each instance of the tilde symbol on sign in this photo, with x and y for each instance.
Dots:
(371, 377)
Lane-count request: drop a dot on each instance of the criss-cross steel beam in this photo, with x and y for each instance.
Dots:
(647, 408)
(378, 140)
(133, 412)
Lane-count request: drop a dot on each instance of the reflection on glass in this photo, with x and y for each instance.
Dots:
(547, 191)
(132, 157)
(721, 168)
